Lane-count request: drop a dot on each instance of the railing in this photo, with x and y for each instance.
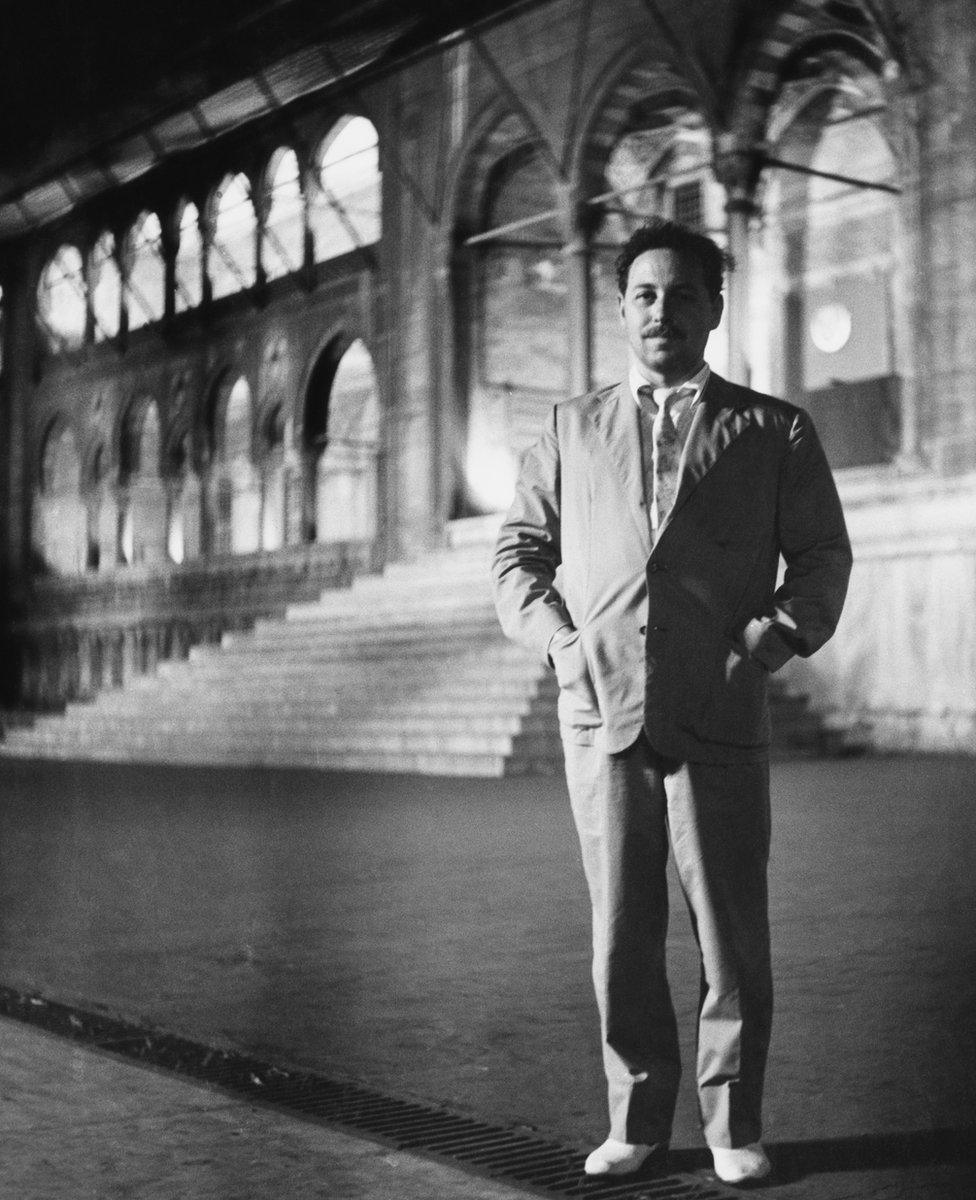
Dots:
(69, 637)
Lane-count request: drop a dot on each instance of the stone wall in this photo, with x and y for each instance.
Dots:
(902, 664)
(68, 638)
(903, 658)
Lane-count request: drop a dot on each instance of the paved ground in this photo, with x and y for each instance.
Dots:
(428, 937)
(75, 1125)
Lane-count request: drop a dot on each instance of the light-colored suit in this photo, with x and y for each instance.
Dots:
(677, 636)
(663, 653)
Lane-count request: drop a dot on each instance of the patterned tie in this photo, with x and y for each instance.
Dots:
(659, 432)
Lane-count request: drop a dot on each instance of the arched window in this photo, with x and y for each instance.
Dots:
(283, 245)
(142, 515)
(60, 517)
(342, 432)
(523, 281)
(659, 165)
(275, 435)
(106, 288)
(824, 297)
(61, 300)
(189, 260)
(234, 487)
(183, 536)
(102, 514)
(232, 261)
(236, 440)
(146, 289)
(514, 304)
(60, 465)
(346, 210)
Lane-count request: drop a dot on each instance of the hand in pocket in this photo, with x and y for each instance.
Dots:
(572, 672)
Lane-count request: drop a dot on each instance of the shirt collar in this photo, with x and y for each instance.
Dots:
(697, 381)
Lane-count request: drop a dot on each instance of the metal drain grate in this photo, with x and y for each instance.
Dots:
(507, 1155)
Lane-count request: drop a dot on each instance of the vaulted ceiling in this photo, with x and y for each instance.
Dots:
(93, 95)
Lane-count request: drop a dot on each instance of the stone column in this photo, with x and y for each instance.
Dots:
(130, 654)
(577, 261)
(170, 247)
(737, 169)
(16, 390)
(85, 687)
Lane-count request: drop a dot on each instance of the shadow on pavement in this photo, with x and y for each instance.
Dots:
(866, 1152)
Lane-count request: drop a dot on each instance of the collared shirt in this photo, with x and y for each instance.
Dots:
(697, 381)
(660, 479)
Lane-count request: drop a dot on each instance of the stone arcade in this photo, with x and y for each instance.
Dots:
(276, 323)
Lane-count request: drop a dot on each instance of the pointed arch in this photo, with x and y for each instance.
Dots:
(342, 433)
(100, 504)
(637, 95)
(62, 299)
(145, 275)
(820, 23)
(233, 493)
(510, 305)
(105, 281)
(189, 258)
(142, 495)
(345, 212)
(831, 251)
(283, 234)
(60, 531)
(232, 258)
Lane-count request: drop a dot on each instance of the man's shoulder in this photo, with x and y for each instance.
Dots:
(760, 404)
(588, 408)
(587, 401)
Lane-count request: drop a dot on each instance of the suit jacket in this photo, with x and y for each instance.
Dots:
(677, 636)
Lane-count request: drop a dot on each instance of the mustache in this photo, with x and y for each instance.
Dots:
(662, 330)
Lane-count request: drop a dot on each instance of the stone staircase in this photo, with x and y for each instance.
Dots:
(406, 671)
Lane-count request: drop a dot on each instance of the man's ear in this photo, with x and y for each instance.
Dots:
(718, 307)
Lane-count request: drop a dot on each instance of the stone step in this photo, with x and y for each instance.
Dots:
(362, 610)
(327, 707)
(387, 687)
(439, 575)
(470, 702)
(404, 660)
(274, 745)
(363, 726)
(450, 636)
(472, 765)
(360, 617)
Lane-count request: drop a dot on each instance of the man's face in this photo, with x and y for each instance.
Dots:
(667, 314)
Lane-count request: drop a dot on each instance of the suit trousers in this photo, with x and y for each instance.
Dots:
(626, 807)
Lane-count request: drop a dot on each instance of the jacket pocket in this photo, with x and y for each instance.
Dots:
(577, 699)
(736, 711)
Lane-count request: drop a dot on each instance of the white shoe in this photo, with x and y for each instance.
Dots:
(742, 1165)
(619, 1158)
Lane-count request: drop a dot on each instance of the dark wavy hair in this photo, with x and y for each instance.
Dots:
(658, 233)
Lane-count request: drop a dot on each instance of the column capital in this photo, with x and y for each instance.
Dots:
(737, 167)
(573, 217)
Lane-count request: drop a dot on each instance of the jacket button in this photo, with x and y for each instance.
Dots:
(643, 629)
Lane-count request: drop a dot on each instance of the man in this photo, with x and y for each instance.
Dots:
(668, 500)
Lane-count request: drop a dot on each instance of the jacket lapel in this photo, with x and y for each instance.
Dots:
(716, 424)
(614, 417)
